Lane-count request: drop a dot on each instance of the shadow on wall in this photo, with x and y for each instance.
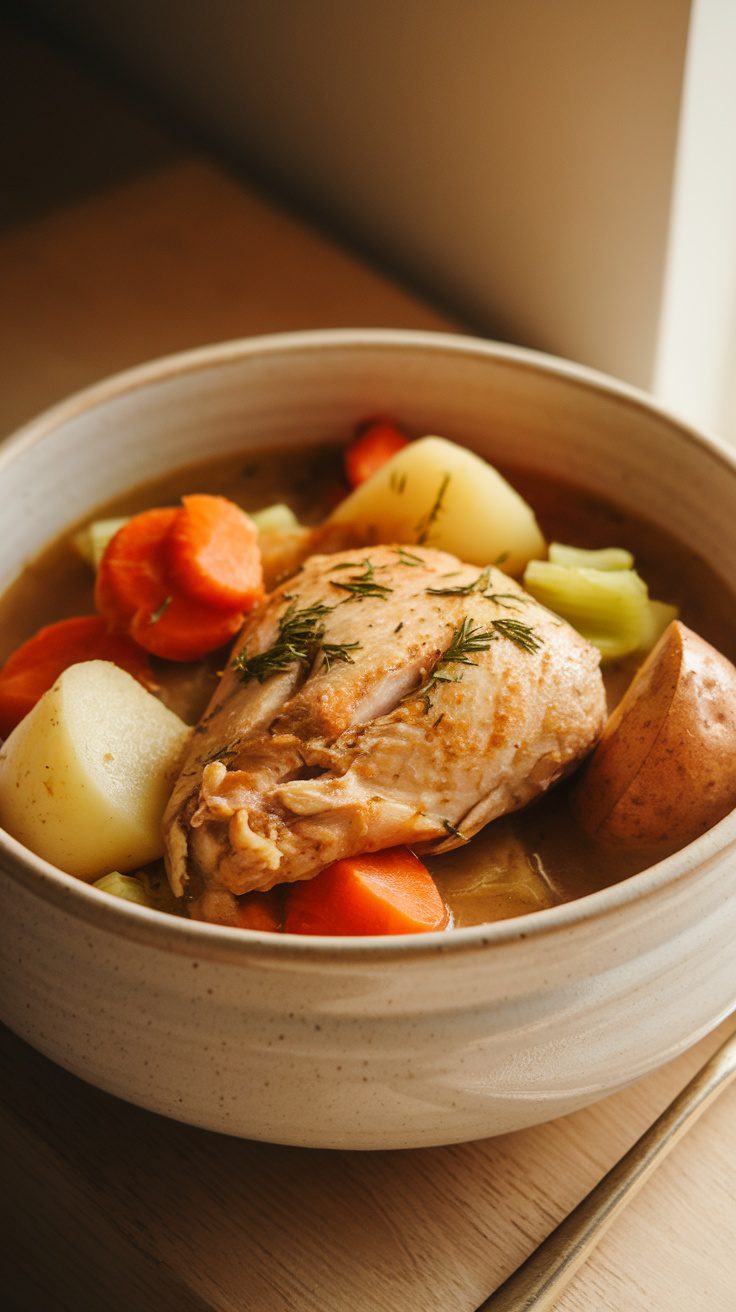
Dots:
(514, 161)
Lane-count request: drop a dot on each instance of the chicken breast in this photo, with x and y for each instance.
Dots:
(393, 697)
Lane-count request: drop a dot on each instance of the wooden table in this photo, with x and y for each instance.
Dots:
(110, 1207)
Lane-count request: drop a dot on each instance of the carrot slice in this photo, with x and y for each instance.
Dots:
(183, 630)
(35, 666)
(133, 574)
(389, 892)
(214, 555)
(376, 441)
(134, 591)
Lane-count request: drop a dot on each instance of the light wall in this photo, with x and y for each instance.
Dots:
(696, 354)
(513, 158)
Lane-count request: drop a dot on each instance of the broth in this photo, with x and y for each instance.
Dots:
(523, 862)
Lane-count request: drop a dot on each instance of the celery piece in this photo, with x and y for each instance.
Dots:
(660, 615)
(274, 519)
(605, 558)
(90, 542)
(608, 607)
(127, 887)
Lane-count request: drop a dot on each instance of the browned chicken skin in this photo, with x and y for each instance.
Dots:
(414, 718)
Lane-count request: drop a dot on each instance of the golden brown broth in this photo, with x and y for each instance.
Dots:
(521, 863)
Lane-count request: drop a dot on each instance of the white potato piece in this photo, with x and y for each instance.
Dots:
(437, 493)
(85, 776)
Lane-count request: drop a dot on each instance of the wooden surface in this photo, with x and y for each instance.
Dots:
(111, 1207)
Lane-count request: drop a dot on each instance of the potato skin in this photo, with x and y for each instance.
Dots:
(664, 770)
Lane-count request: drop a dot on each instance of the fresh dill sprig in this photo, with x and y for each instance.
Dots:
(510, 600)
(466, 639)
(299, 639)
(464, 589)
(408, 557)
(338, 651)
(363, 585)
(520, 634)
(397, 481)
(453, 830)
(427, 521)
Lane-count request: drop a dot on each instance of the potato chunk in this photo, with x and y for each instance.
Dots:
(85, 777)
(437, 493)
(664, 770)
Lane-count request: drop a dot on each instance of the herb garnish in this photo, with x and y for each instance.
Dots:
(467, 638)
(408, 557)
(520, 634)
(299, 638)
(453, 830)
(464, 589)
(428, 520)
(155, 615)
(510, 600)
(338, 651)
(397, 481)
(363, 585)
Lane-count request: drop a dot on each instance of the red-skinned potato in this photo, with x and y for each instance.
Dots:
(664, 770)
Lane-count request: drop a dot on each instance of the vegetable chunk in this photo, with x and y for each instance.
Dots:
(38, 662)
(438, 494)
(375, 442)
(664, 770)
(389, 892)
(135, 591)
(213, 553)
(85, 777)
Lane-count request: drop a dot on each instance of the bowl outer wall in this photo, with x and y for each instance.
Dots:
(363, 1052)
(479, 1033)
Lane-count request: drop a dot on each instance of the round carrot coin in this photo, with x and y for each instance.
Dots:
(214, 554)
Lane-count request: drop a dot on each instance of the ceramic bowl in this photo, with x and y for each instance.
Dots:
(364, 1043)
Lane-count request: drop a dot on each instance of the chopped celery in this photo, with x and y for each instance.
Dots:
(605, 558)
(90, 542)
(274, 519)
(660, 615)
(127, 887)
(609, 607)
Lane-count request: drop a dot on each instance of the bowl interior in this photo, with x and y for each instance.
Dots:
(512, 406)
(509, 405)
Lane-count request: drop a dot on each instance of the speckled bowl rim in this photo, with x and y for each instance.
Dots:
(215, 942)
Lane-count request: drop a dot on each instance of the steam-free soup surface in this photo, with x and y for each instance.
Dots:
(524, 862)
